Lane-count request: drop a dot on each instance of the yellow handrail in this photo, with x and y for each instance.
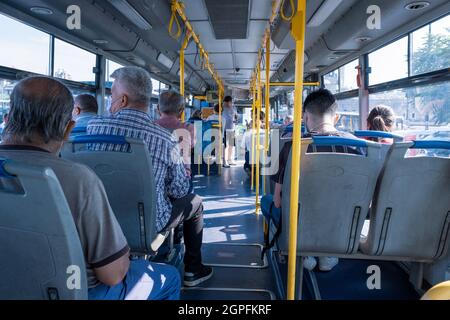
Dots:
(253, 156)
(185, 44)
(292, 84)
(178, 8)
(220, 131)
(298, 33)
(258, 132)
(283, 15)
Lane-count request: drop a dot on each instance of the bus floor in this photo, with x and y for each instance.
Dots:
(232, 243)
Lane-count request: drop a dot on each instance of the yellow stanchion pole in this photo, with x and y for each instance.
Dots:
(267, 123)
(258, 131)
(220, 131)
(298, 33)
(253, 151)
(182, 87)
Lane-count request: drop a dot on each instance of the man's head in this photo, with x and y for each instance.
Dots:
(40, 114)
(320, 109)
(85, 103)
(288, 120)
(171, 103)
(132, 88)
(216, 109)
(5, 117)
(228, 102)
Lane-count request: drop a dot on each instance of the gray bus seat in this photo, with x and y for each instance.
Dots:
(39, 243)
(410, 192)
(335, 193)
(129, 183)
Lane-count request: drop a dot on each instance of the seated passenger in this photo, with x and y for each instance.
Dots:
(85, 109)
(320, 118)
(381, 118)
(196, 116)
(131, 98)
(39, 122)
(215, 115)
(170, 108)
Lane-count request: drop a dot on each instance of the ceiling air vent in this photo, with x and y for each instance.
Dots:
(229, 18)
(418, 5)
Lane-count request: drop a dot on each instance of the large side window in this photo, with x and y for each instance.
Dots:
(419, 110)
(389, 63)
(74, 63)
(111, 66)
(430, 47)
(23, 47)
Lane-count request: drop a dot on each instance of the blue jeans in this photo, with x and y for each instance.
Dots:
(275, 215)
(144, 281)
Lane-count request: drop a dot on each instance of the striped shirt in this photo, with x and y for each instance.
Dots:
(168, 168)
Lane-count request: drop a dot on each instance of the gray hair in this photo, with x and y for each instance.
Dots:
(171, 102)
(40, 107)
(137, 83)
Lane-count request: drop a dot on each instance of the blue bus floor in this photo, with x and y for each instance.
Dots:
(230, 222)
(349, 281)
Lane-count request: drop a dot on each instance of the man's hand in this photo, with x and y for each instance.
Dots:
(277, 195)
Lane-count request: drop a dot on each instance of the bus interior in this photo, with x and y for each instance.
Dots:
(385, 216)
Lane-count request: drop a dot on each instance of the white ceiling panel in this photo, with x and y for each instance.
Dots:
(222, 61)
(261, 9)
(196, 10)
(246, 60)
(253, 43)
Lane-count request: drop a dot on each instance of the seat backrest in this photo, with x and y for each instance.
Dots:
(39, 243)
(128, 180)
(334, 196)
(410, 214)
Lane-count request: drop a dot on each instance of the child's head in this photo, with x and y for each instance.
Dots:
(381, 118)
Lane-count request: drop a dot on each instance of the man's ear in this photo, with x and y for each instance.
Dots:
(69, 129)
(76, 111)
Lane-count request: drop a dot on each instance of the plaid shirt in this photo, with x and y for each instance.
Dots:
(170, 175)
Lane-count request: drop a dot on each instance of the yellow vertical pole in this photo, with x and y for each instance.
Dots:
(253, 155)
(267, 124)
(298, 33)
(182, 88)
(220, 131)
(258, 130)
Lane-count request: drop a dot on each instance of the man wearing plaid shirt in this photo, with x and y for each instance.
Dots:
(131, 96)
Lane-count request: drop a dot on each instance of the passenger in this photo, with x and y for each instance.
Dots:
(170, 108)
(39, 122)
(215, 115)
(3, 124)
(381, 118)
(288, 120)
(246, 143)
(229, 119)
(85, 109)
(131, 98)
(320, 118)
(196, 116)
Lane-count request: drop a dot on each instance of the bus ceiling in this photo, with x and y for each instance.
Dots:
(136, 32)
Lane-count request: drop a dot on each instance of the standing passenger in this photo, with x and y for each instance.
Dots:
(131, 97)
(229, 119)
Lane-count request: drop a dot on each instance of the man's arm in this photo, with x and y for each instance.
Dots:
(112, 274)
(277, 195)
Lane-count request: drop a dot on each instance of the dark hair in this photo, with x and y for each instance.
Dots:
(262, 116)
(40, 106)
(320, 102)
(87, 103)
(228, 99)
(381, 118)
(217, 108)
